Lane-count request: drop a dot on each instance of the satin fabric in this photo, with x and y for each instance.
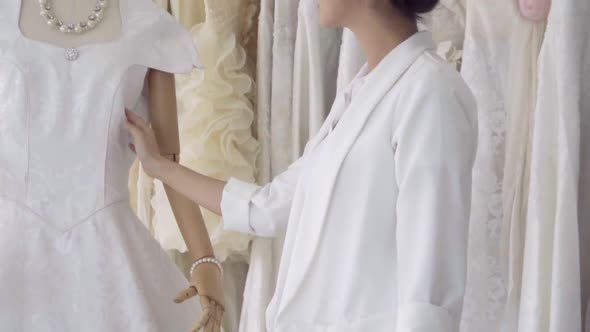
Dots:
(521, 98)
(551, 292)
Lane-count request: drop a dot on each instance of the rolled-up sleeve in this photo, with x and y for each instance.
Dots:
(260, 210)
(435, 149)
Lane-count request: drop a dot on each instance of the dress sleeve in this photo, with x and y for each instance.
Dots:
(162, 43)
(434, 144)
(263, 211)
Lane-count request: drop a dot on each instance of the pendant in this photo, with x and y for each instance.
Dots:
(71, 54)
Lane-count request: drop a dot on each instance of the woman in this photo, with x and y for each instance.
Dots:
(376, 211)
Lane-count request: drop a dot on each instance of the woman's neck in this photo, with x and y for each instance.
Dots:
(379, 33)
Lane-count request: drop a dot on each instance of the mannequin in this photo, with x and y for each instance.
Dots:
(206, 279)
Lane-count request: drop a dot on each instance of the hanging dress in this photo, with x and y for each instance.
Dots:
(485, 69)
(551, 284)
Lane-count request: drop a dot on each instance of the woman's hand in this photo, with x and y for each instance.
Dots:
(206, 283)
(144, 144)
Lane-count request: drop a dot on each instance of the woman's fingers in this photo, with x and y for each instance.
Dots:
(133, 129)
(131, 117)
(136, 120)
(186, 294)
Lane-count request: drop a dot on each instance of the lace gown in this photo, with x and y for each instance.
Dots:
(73, 256)
(485, 64)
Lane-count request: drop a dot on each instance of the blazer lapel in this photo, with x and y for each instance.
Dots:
(336, 110)
(378, 84)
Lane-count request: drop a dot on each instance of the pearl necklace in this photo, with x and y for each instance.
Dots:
(53, 21)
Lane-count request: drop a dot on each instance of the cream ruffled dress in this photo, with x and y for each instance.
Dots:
(215, 118)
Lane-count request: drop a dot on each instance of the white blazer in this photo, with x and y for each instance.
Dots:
(377, 222)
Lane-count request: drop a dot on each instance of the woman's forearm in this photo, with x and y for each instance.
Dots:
(201, 189)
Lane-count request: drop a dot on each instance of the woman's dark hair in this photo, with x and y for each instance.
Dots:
(414, 8)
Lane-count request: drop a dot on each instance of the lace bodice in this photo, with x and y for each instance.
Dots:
(65, 154)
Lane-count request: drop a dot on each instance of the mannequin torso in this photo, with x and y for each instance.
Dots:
(35, 27)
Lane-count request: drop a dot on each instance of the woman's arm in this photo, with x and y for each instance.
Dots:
(435, 149)
(245, 207)
(203, 190)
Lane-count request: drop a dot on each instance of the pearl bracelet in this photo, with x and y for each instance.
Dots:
(209, 260)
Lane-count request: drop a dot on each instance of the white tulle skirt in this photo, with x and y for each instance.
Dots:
(105, 274)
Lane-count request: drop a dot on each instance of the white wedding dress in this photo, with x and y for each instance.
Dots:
(73, 256)
(485, 67)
